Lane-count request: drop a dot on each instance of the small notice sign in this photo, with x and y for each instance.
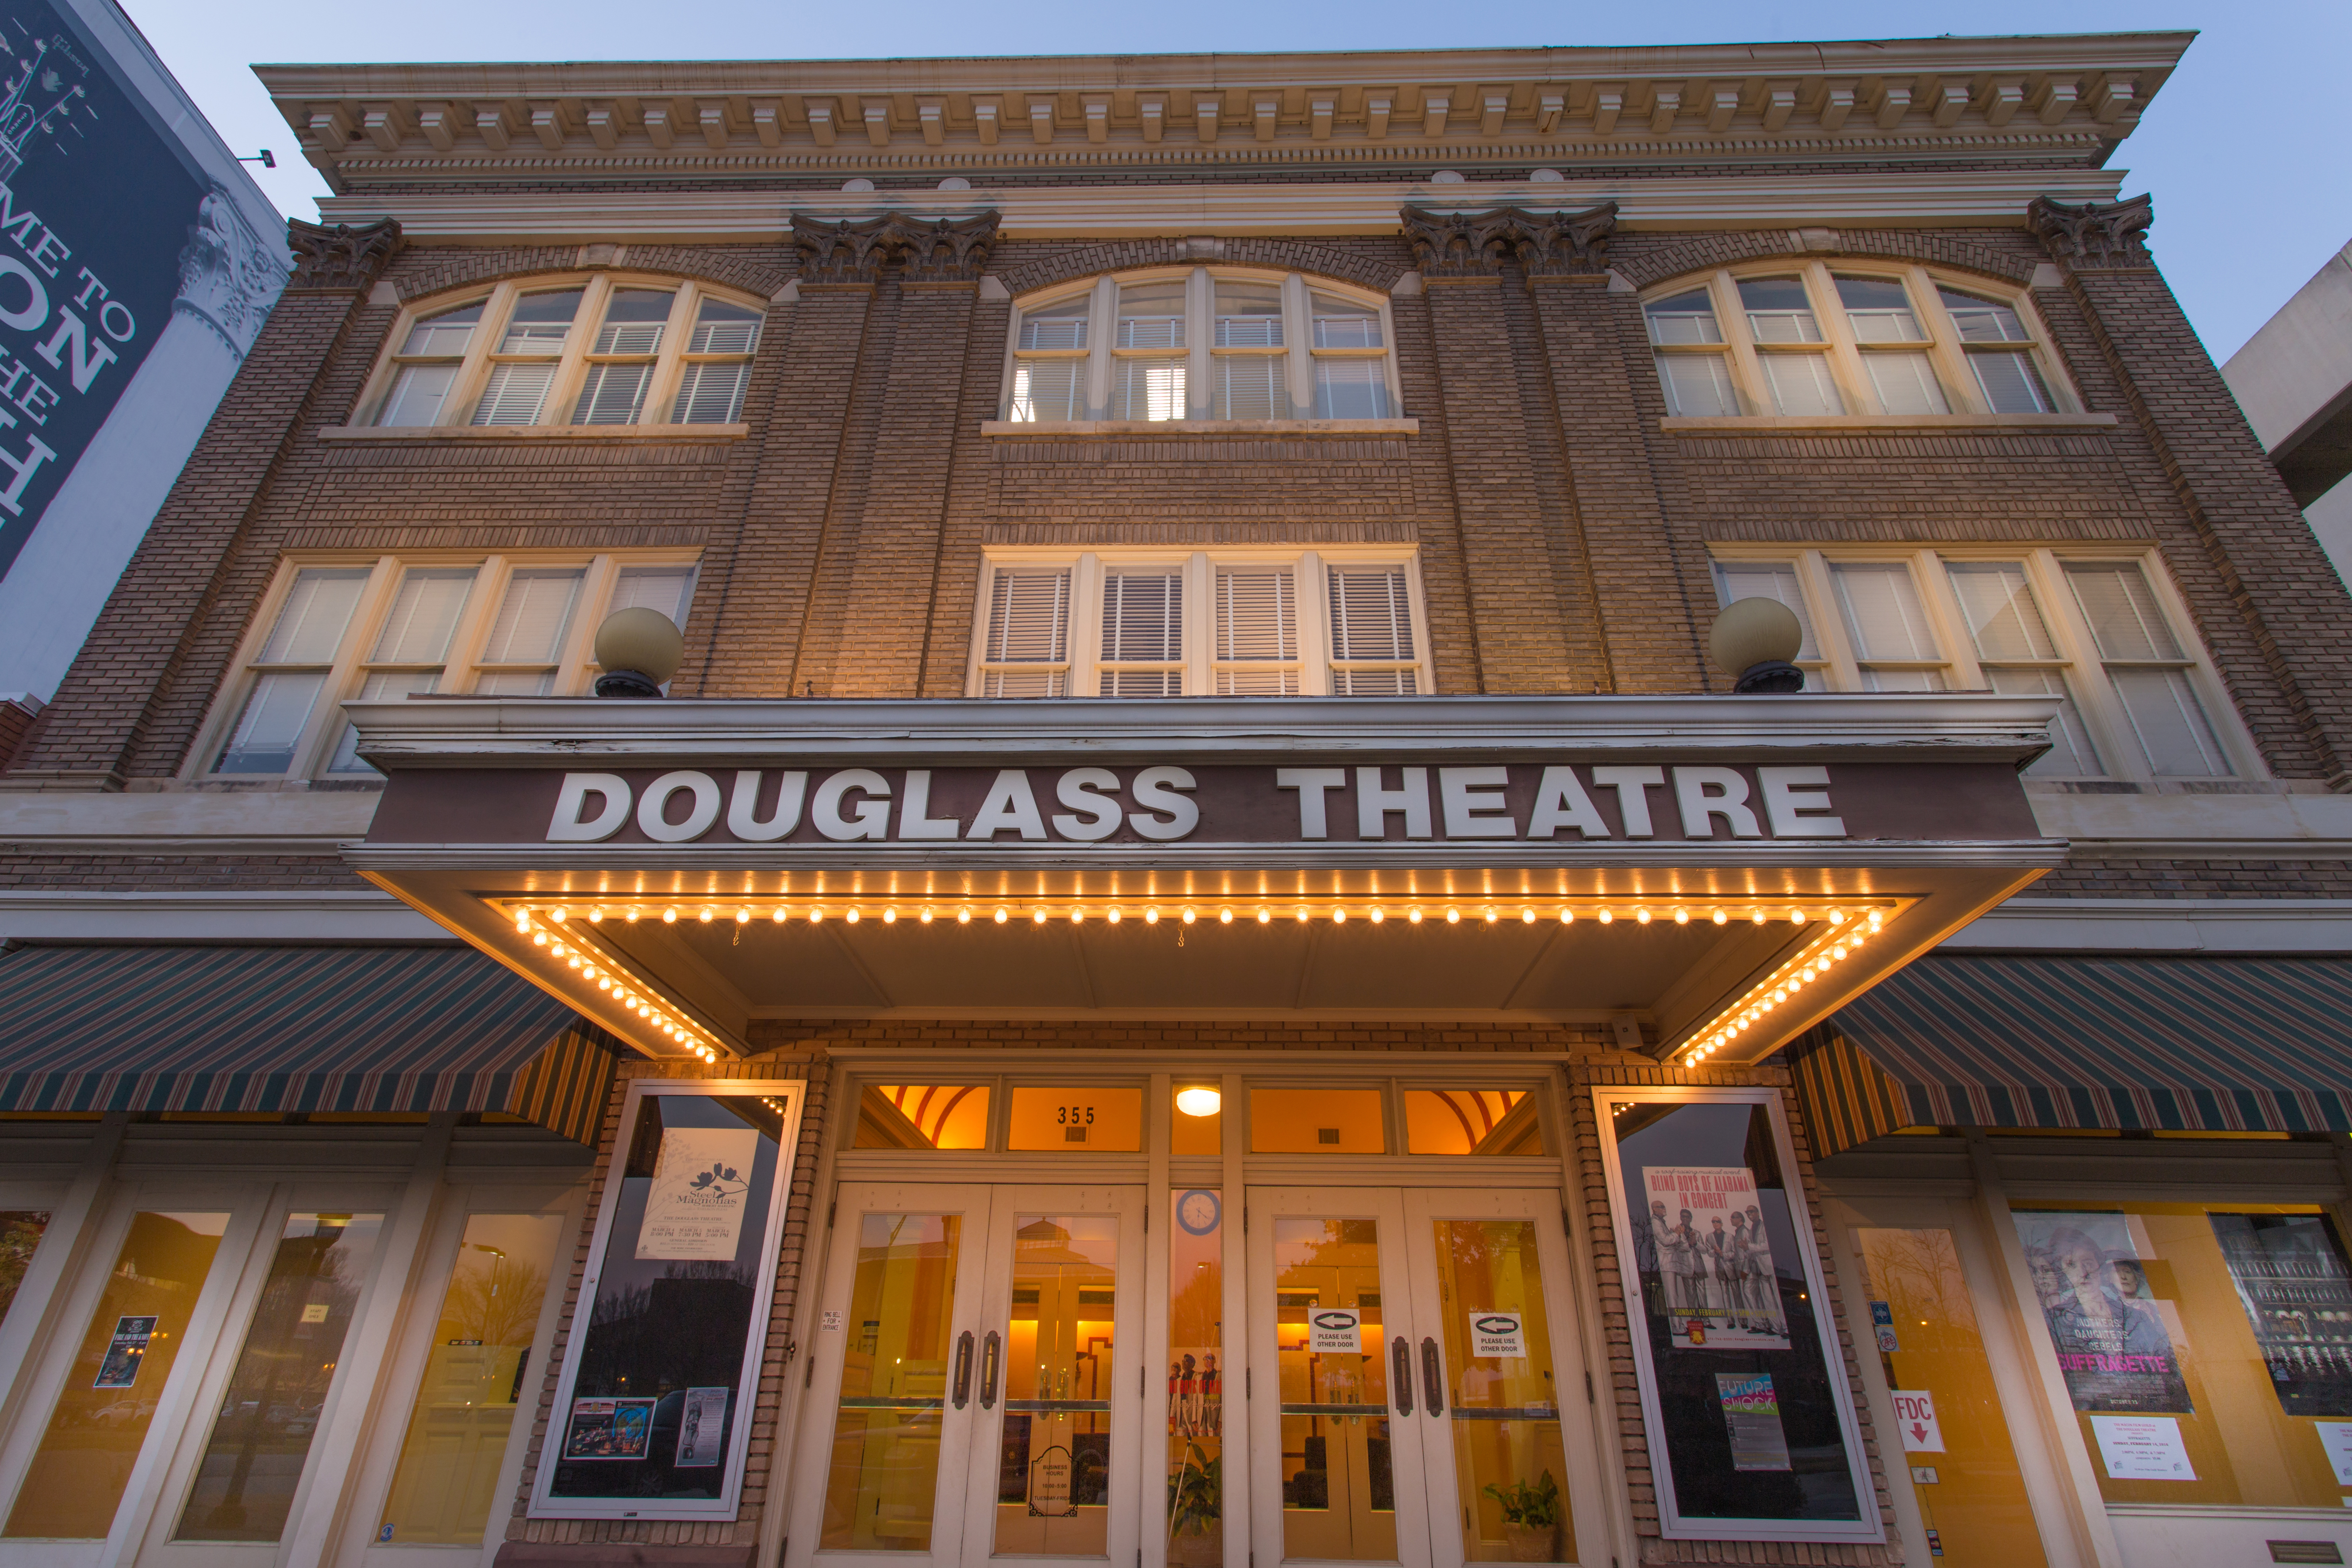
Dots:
(1751, 1411)
(2142, 1449)
(314, 1313)
(124, 1352)
(1049, 1485)
(1914, 1417)
(2335, 1436)
(701, 1428)
(1882, 1323)
(829, 1320)
(1335, 1331)
(1499, 1334)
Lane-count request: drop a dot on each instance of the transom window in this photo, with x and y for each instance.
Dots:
(1792, 339)
(2098, 630)
(598, 350)
(341, 628)
(1343, 623)
(1204, 344)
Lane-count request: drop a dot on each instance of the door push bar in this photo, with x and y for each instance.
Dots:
(1433, 1377)
(992, 1353)
(963, 1369)
(1402, 1357)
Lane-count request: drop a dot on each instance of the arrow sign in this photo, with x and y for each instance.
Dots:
(1914, 1415)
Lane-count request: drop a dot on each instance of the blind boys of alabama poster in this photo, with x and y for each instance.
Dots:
(1715, 1261)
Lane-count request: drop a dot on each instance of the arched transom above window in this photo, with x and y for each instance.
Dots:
(1202, 343)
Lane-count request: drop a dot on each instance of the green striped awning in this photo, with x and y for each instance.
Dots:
(2211, 1045)
(293, 1029)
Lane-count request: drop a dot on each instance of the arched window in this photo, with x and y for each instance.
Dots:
(1203, 343)
(599, 350)
(1805, 339)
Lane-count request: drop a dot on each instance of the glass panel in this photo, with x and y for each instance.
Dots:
(1801, 383)
(1351, 389)
(447, 1484)
(1879, 310)
(1196, 1340)
(1316, 1121)
(1982, 320)
(1903, 680)
(516, 683)
(514, 395)
(2010, 383)
(20, 1236)
(1046, 389)
(1250, 386)
(634, 322)
(1143, 615)
(1751, 1415)
(532, 616)
(423, 615)
(77, 1474)
(1148, 389)
(2071, 753)
(1097, 1121)
(418, 394)
(1683, 319)
(1249, 315)
(2169, 723)
(1737, 580)
(1197, 1121)
(2207, 1348)
(1510, 1465)
(541, 322)
(1151, 315)
(1060, 325)
(923, 1116)
(1338, 1492)
(1053, 1486)
(660, 1366)
(1343, 323)
(271, 723)
(1905, 382)
(316, 612)
(663, 588)
(1697, 387)
(612, 394)
(1883, 612)
(710, 392)
(1472, 1121)
(261, 1437)
(1948, 1415)
(378, 688)
(720, 328)
(447, 334)
(1778, 311)
(882, 1492)
(2003, 620)
(2122, 610)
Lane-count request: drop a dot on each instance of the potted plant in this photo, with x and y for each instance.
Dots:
(1195, 1505)
(1531, 1518)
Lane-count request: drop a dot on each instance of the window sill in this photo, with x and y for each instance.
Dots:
(1885, 424)
(440, 434)
(1042, 430)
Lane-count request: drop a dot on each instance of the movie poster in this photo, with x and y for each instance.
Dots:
(609, 1429)
(1714, 1259)
(2113, 1347)
(695, 1209)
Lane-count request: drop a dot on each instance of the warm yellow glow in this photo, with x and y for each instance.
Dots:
(1490, 914)
(1152, 917)
(1756, 916)
(539, 939)
(1338, 916)
(1199, 1101)
(558, 914)
(1527, 917)
(1720, 917)
(1682, 916)
(1415, 916)
(780, 914)
(1002, 914)
(1264, 915)
(1454, 917)
(1607, 917)
(816, 915)
(926, 917)
(522, 922)
(1641, 917)
(707, 914)
(1076, 914)
(669, 915)
(1224, 917)
(1378, 914)
(852, 916)
(1114, 916)
(743, 917)
(1188, 914)
(596, 915)
(963, 916)
(1568, 917)
(1037, 917)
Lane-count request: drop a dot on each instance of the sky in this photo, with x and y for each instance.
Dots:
(2245, 148)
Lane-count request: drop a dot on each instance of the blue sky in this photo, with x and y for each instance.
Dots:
(2245, 149)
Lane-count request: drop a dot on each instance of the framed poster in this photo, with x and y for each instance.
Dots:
(1744, 1393)
(654, 1405)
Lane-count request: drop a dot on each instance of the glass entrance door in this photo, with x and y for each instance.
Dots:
(1418, 1348)
(981, 1406)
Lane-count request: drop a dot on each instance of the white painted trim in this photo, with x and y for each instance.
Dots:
(2160, 925)
(294, 914)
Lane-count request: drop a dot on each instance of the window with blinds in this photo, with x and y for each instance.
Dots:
(1253, 622)
(622, 363)
(718, 365)
(528, 357)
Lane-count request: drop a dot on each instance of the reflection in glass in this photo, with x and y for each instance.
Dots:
(1338, 1492)
(1472, 1121)
(883, 1490)
(923, 1116)
(1504, 1400)
(1053, 1486)
(20, 1234)
(474, 1379)
(1093, 1120)
(1196, 1409)
(76, 1476)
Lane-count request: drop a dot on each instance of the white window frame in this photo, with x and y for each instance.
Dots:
(2082, 669)
(1199, 338)
(1941, 342)
(572, 364)
(575, 668)
(1086, 568)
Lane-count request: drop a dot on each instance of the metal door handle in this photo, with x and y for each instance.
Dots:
(1433, 1377)
(1400, 1357)
(963, 1369)
(991, 1354)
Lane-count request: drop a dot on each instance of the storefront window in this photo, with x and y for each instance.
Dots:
(20, 1234)
(1196, 1410)
(474, 1382)
(77, 1477)
(1316, 1121)
(1097, 1121)
(1052, 1490)
(1749, 1413)
(2207, 1348)
(923, 1116)
(1197, 1122)
(1509, 1463)
(1472, 1121)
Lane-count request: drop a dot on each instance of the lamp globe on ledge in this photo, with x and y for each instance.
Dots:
(639, 648)
(1754, 641)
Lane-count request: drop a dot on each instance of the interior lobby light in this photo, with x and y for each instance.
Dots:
(1199, 1101)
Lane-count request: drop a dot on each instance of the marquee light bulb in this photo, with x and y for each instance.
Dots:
(1264, 915)
(1567, 917)
(927, 915)
(1415, 915)
(852, 916)
(1453, 917)
(1527, 917)
(1189, 916)
(1796, 917)
(1837, 916)
(1490, 914)
(1303, 916)
(963, 916)
(1078, 915)
(1607, 917)
(596, 915)
(1755, 916)
(539, 939)
(1338, 916)
(743, 917)
(1224, 917)
(1641, 917)
(1114, 916)
(1151, 916)
(669, 915)
(816, 915)
(1720, 917)
(707, 914)
(1036, 916)
(1002, 914)
(633, 912)
(558, 914)
(1378, 914)
(1682, 916)
(558, 949)
(780, 914)
(522, 922)
(890, 916)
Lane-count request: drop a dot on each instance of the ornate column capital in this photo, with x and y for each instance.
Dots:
(341, 256)
(1474, 245)
(940, 250)
(228, 277)
(2095, 234)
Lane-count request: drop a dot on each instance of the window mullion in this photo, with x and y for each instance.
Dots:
(572, 365)
(1950, 357)
(1947, 621)
(475, 375)
(1424, 665)
(1829, 620)
(1083, 641)
(1739, 349)
(1314, 635)
(2112, 735)
(1299, 345)
(1200, 626)
(1853, 377)
(669, 363)
(578, 653)
(1102, 327)
(325, 726)
(1200, 337)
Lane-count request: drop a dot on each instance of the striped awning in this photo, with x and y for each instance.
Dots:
(2215, 1045)
(293, 1029)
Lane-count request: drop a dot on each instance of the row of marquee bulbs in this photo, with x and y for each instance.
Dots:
(658, 1015)
(1225, 914)
(1785, 982)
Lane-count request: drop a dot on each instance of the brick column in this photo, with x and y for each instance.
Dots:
(87, 736)
(2284, 590)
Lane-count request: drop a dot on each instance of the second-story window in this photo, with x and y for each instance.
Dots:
(602, 350)
(1219, 344)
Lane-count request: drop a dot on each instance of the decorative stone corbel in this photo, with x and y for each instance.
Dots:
(943, 250)
(1474, 245)
(2095, 234)
(341, 256)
